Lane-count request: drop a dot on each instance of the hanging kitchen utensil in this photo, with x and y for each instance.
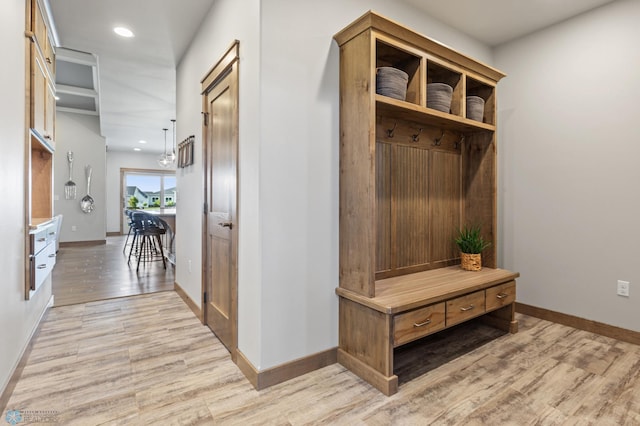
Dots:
(86, 204)
(70, 186)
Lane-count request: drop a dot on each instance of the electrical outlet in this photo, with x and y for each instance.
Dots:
(189, 265)
(74, 228)
(623, 288)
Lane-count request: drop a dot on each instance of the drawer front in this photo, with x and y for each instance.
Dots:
(41, 265)
(418, 323)
(462, 308)
(42, 237)
(501, 295)
(38, 240)
(50, 233)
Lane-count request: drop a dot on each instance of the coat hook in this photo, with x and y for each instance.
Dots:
(438, 141)
(416, 137)
(459, 143)
(390, 131)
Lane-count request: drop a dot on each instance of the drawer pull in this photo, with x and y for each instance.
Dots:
(40, 240)
(52, 233)
(44, 265)
(502, 295)
(52, 255)
(422, 324)
(468, 308)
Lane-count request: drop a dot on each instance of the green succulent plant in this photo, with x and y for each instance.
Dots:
(470, 241)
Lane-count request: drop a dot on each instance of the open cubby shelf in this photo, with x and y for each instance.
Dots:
(407, 111)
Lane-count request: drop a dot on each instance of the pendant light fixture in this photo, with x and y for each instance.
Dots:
(171, 157)
(164, 160)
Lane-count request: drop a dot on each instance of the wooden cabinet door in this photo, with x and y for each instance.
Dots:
(38, 94)
(38, 25)
(50, 115)
(49, 57)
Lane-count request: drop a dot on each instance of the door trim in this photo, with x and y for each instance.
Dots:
(221, 67)
(220, 70)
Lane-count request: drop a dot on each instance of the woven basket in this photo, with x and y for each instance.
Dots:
(475, 108)
(392, 82)
(471, 262)
(439, 96)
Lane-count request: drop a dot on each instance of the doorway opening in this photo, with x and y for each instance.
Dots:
(147, 189)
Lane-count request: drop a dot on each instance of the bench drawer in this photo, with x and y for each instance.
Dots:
(501, 295)
(465, 307)
(415, 324)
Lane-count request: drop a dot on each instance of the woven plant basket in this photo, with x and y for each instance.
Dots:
(471, 262)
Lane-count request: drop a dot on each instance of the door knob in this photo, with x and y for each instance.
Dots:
(226, 225)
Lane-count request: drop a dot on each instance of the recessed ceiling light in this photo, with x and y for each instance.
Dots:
(137, 149)
(142, 141)
(124, 32)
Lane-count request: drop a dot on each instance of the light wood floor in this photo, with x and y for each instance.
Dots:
(146, 360)
(86, 273)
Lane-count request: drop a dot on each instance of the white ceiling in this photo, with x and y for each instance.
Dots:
(494, 22)
(137, 75)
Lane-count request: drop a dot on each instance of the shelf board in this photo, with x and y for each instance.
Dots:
(39, 222)
(45, 145)
(390, 107)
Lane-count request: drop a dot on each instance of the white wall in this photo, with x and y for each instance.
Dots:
(18, 318)
(299, 164)
(569, 151)
(80, 134)
(125, 160)
(227, 20)
(288, 204)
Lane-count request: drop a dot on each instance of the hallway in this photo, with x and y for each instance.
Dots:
(87, 273)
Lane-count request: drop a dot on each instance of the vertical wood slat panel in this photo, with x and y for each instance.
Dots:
(411, 195)
(479, 190)
(383, 206)
(445, 186)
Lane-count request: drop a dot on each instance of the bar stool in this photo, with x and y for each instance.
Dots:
(129, 214)
(146, 244)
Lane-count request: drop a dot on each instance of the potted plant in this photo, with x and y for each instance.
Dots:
(471, 245)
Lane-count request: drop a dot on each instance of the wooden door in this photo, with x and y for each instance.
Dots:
(221, 247)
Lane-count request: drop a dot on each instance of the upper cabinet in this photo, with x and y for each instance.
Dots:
(42, 76)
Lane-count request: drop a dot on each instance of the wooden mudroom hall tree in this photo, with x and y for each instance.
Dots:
(410, 177)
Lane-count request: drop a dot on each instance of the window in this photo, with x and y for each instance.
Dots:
(149, 190)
